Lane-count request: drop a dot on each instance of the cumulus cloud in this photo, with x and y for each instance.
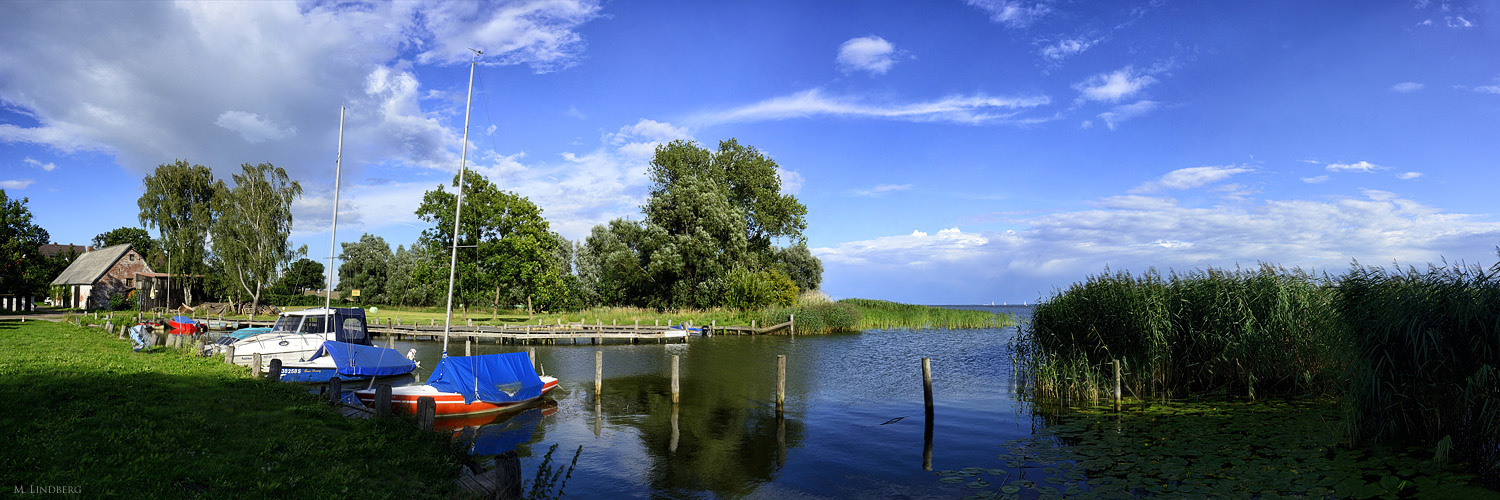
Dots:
(46, 167)
(1406, 87)
(1013, 13)
(1119, 114)
(15, 184)
(972, 109)
(1409, 176)
(1065, 48)
(871, 54)
(1188, 178)
(1134, 234)
(1114, 85)
(881, 190)
(1360, 166)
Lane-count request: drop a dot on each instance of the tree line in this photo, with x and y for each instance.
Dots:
(716, 231)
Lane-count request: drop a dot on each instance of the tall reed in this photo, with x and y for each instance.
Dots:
(886, 314)
(1264, 332)
(1426, 348)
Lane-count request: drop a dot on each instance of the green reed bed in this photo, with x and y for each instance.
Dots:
(1427, 346)
(1263, 332)
(886, 314)
(88, 414)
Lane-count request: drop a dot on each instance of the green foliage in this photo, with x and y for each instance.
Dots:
(137, 238)
(1425, 357)
(20, 249)
(365, 267)
(1267, 332)
(301, 275)
(404, 284)
(122, 301)
(799, 264)
(755, 290)
(812, 318)
(254, 224)
(179, 204)
(888, 315)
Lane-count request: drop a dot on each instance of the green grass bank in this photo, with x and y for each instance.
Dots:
(86, 412)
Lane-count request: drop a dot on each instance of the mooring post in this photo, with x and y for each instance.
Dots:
(598, 373)
(276, 369)
(426, 412)
(469, 346)
(792, 318)
(675, 384)
(780, 383)
(383, 400)
(391, 342)
(228, 354)
(531, 353)
(927, 385)
(335, 391)
(508, 476)
(1117, 385)
(255, 365)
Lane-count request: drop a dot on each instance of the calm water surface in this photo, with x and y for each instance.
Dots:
(853, 426)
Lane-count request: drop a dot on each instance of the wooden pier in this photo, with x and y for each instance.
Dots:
(563, 333)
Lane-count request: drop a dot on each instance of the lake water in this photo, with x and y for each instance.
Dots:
(853, 425)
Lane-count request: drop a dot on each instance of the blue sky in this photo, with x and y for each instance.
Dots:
(947, 151)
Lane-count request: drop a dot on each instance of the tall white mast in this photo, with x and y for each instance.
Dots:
(333, 238)
(458, 208)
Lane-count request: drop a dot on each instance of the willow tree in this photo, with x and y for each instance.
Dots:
(251, 238)
(179, 204)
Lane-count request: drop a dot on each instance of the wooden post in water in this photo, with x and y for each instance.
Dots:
(391, 342)
(508, 476)
(426, 412)
(335, 391)
(927, 427)
(383, 400)
(675, 384)
(228, 354)
(1117, 385)
(276, 369)
(469, 346)
(780, 383)
(255, 365)
(792, 318)
(598, 373)
(531, 353)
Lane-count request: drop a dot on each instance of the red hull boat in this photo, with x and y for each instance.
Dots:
(449, 404)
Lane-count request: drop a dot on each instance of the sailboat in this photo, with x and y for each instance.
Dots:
(468, 385)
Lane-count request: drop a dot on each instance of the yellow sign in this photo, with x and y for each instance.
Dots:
(356, 293)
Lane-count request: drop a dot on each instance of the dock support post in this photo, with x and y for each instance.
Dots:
(391, 342)
(335, 391)
(426, 412)
(675, 384)
(1117, 385)
(383, 400)
(927, 427)
(469, 346)
(228, 354)
(780, 383)
(508, 476)
(276, 370)
(255, 365)
(792, 318)
(598, 373)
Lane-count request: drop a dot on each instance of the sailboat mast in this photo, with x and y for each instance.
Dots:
(458, 208)
(333, 238)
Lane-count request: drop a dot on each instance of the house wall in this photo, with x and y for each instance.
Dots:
(120, 279)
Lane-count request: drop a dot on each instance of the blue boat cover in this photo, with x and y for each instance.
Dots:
(183, 320)
(364, 360)
(492, 378)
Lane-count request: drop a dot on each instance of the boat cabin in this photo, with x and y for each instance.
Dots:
(347, 323)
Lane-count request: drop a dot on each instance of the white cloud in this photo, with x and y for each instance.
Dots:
(971, 109)
(46, 167)
(1459, 22)
(1360, 166)
(1049, 251)
(867, 53)
(1486, 89)
(1188, 178)
(1136, 202)
(1121, 113)
(1013, 13)
(16, 184)
(262, 71)
(1409, 176)
(1065, 48)
(1114, 85)
(881, 190)
(252, 127)
(1319, 179)
(791, 180)
(1406, 87)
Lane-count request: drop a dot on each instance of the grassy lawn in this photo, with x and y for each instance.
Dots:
(84, 411)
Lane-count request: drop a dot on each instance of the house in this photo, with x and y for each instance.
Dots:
(52, 249)
(94, 277)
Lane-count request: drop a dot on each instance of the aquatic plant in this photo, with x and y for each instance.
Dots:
(886, 314)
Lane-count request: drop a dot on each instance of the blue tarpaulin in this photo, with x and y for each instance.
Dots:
(364, 360)
(492, 378)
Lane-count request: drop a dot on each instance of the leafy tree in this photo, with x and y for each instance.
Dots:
(139, 240)
(20, 249)
(365, 268)
(514, 255)
(799, 264)
(301, 275)
(750, 176)
(178, 203)
(404, 284)
(252, 233)
(610, 263)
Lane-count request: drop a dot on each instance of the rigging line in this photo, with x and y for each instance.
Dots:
(484, 96)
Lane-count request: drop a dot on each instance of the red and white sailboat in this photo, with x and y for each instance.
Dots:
(468, 385)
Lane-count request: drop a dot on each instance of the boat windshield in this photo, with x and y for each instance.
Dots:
(314, 324)
(287, 323)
